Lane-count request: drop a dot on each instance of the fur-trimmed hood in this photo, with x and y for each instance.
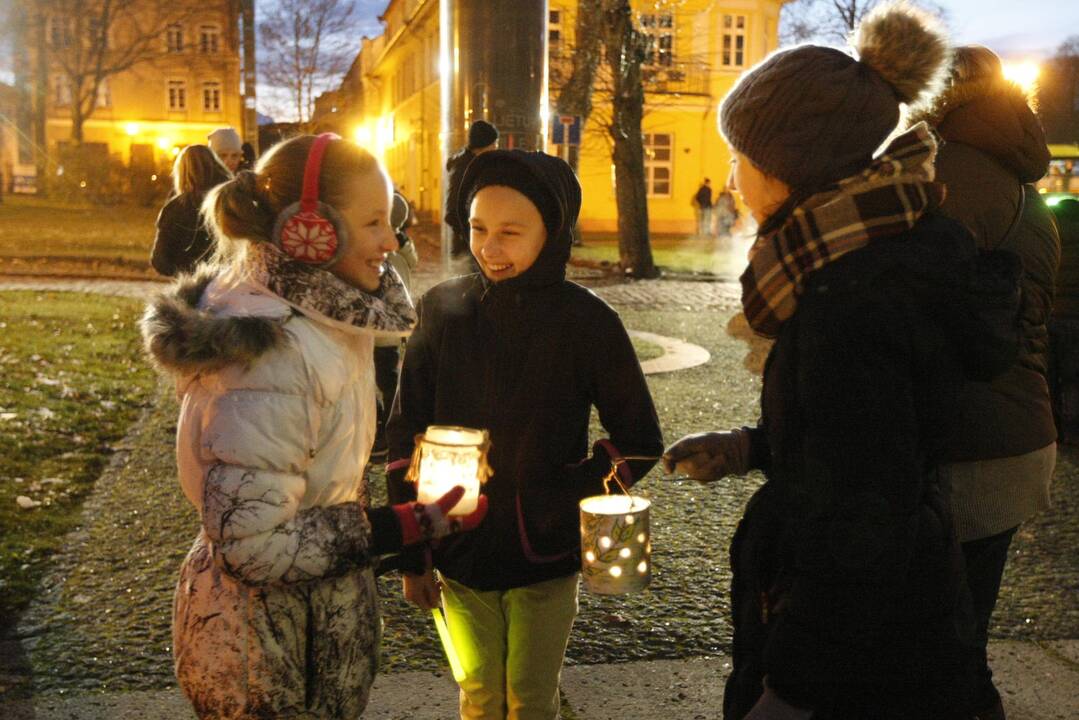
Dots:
(181, 338)
(231, 317)
(995, 117)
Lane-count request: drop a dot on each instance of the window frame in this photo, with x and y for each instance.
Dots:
(215, 36)
(209, 86)
(174, 30)
(736, 37)
(651, 164)
(658, 27)
(180, 84)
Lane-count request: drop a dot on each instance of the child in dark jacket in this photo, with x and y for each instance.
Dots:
(522, 352)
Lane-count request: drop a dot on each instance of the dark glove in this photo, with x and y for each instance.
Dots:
(421, 522)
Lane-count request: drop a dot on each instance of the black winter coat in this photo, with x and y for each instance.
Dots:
(993, 148)
(527, 362)
(182, 239)
(846, 575)
(455, 170)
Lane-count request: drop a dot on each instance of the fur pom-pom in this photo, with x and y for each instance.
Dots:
(906, 46)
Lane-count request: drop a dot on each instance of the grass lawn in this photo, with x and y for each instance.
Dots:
(723, 257)
(72, 381)
(645, 350)
(33, 227)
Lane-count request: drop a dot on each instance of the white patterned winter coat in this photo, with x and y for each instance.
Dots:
(275, 611)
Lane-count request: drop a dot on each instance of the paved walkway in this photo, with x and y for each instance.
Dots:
(1038, 681)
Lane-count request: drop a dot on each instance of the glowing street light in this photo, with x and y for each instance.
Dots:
(1024, 73)
(132, 129)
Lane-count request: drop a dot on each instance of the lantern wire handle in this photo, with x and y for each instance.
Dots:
(612, 475)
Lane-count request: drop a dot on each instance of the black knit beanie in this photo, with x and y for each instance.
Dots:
(544, 179)
(812, 115)
(481, 134)
(547, 181)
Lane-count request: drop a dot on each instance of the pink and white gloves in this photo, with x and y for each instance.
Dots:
(421, 522)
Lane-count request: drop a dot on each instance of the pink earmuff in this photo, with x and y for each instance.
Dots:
(311, 231)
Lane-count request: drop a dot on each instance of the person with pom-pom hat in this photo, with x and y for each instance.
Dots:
(848, 595)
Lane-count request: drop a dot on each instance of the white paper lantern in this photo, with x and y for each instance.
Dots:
(616, 544)
(448, 456)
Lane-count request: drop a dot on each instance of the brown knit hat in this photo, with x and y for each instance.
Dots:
(812, 115)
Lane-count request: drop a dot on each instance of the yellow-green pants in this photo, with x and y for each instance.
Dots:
(511, 644)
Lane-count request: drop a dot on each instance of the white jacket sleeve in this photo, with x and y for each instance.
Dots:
(263, 442)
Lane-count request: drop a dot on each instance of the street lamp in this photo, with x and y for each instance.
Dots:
(1023, 73)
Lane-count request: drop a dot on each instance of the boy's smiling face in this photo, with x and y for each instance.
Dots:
(507, 232)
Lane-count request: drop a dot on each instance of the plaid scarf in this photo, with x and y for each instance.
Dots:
(885, 199)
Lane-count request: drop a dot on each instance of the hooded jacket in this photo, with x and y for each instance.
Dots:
(993, 148)
(527, 359)
(276, 609)
(847, 577)
(182, 240)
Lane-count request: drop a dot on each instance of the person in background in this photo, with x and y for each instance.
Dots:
(183, 240)
(247, 150)
(225, 142)
(1064, 326)
(1002, 440)
(388, 350)
(725, 211)
(702, 200)
(847, 592)
(482, 137)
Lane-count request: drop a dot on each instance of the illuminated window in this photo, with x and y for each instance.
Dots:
(211, 97)
(554, 30)
(59, 32)
(174, 38)
(61, 90)
(733, 41)
(104, 97)
(658, 169)
(209, 39)
(659, 29)
(177, 90)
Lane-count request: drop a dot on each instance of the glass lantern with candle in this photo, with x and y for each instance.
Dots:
(447, 456)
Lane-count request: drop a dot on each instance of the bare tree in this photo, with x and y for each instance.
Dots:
(831, 21)
(307, 46)
(609, 51)
(1058, 93)
(89, 41)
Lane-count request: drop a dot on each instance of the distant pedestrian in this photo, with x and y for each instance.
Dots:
(1002, 438)
(725, 211)
(183, 240)
(388, 349)
(276, 611)
(526, 354)
(702, 201)
(847, 591)
(482, 137)
(225, 142)
(247, 150)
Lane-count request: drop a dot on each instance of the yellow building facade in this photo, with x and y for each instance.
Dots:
(144, 115)
(698, 48)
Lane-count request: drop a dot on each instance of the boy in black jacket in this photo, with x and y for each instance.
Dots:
(524, 353)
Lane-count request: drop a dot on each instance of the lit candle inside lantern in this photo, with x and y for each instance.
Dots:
(446, 457)
(616, 544)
